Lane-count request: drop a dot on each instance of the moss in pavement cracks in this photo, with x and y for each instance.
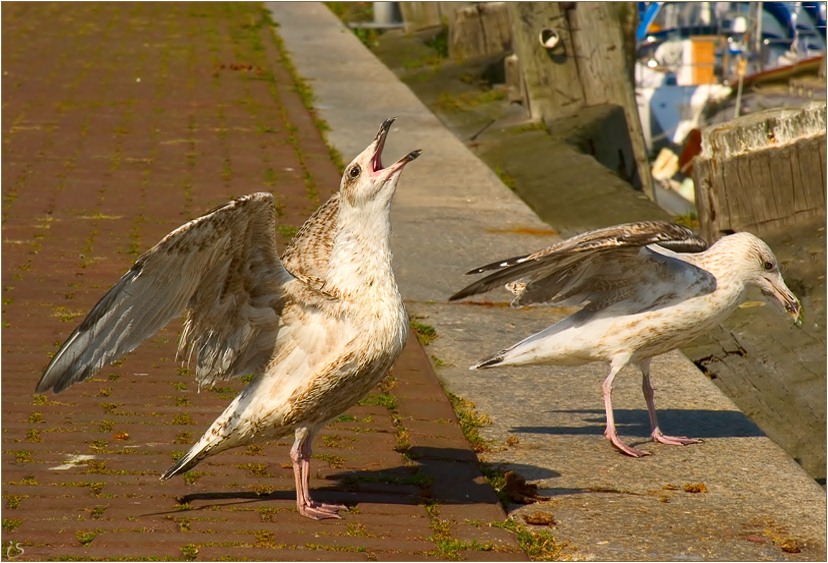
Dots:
(470, 421)
(426, 334)
(305, 93)
(449, 547)
(540, 545)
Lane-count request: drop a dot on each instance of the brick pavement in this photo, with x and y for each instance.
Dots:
(120, 122)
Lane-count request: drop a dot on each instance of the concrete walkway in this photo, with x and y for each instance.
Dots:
(453, 213)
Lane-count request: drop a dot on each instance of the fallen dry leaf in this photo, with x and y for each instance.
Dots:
(790, 545)
(518, 490)
(695, 488)
(539, 519)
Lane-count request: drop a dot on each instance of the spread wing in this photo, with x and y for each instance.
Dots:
(222, 269)
(602, 267)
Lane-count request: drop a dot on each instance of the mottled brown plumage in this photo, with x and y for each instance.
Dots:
(319, 329)
(308, 251)
(638, 299)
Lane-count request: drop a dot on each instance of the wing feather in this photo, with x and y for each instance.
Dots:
(307, 254)
(600, 267)
(222, 269)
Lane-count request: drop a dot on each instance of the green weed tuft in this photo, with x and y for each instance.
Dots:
(540, 545)
(426, 334)
(470, 421)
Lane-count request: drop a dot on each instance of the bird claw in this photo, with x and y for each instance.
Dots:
(318, 514)
(625, 449)
(321, 511)
(325, 506)
(674, 440)
(630, 451)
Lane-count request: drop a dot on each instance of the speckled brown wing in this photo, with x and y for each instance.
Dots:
(645, 279)
(221, 268)
(599, 261)
(307, 254)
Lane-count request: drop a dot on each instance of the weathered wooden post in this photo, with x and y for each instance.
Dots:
(424, 15)
(583, 63)
(479, 29)
(762, 172)
(550, 76)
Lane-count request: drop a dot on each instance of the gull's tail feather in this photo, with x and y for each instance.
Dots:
(220, 436)
(544, 345)
(190, 460)
(490, 362)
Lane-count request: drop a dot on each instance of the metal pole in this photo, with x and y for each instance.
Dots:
(384, 13)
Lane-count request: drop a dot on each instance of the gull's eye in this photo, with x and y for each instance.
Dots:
(354, 171)
(768, 265)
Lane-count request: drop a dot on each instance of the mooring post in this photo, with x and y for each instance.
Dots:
(573, 55)
(762, 171)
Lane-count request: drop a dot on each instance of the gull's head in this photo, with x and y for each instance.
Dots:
(762, 271)
(365, 179)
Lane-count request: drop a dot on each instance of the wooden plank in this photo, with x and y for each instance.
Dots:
(782, 168)
(424, 15)
(710, 200)
(480, 29)
(810, 170)
(815, 146)
(780, 202)
(701, 185)
(762, 188)
(822, 161)
(744, 194)
(737, 180)
(755, 195)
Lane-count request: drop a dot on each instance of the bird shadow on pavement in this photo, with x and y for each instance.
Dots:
(698, 423)
(526, 471)
(437, 475)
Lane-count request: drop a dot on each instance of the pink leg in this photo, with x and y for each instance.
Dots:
(300, 455)
(649, 397)
(610, 431)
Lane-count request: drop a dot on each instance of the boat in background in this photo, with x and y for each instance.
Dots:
(705, 62)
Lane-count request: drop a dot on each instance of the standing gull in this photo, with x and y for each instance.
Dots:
(639, 297)
(318, 337)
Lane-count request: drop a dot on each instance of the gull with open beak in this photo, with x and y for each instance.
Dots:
(318, 335)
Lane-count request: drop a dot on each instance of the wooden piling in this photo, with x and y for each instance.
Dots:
(480, 29)
(762, 172)
(587, 66)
